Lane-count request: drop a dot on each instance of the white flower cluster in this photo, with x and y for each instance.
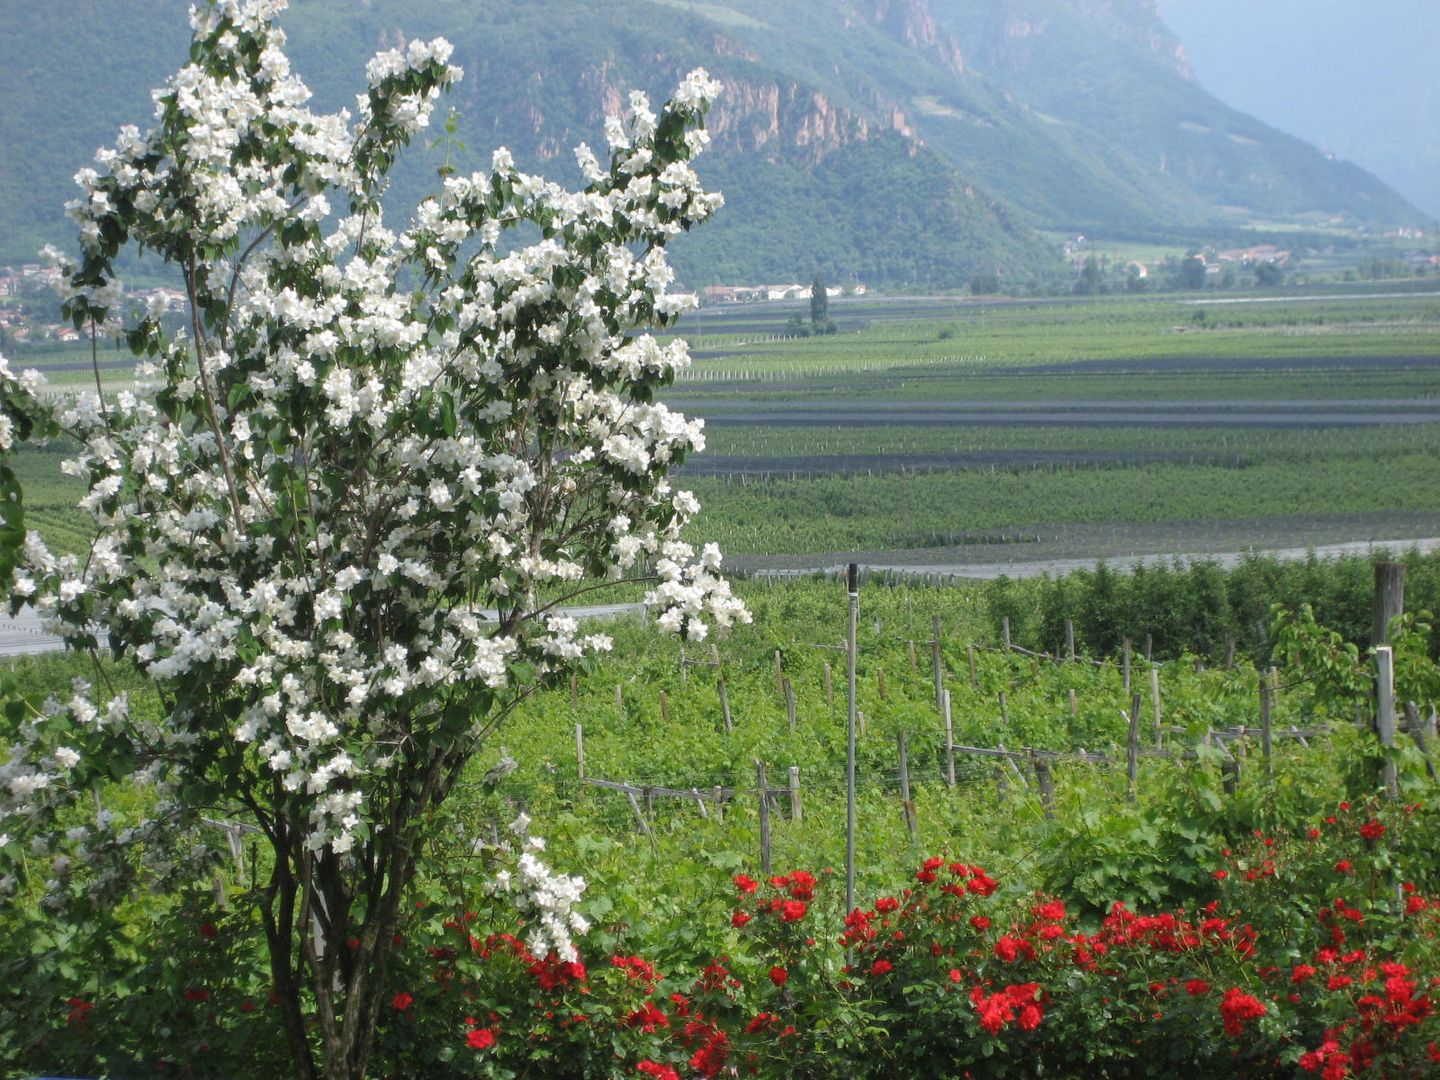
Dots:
(328, 533)
(545, 900)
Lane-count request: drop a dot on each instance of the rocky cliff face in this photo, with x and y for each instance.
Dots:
(912, 22)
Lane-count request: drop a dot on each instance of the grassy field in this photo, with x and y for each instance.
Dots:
(1099, 425)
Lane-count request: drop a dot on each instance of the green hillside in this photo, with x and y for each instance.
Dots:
(894, 142)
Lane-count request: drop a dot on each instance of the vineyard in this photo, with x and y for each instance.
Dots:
(1113, 783)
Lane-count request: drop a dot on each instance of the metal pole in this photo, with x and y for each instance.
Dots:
(852, 578)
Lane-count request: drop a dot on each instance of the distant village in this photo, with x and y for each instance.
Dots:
(37, 323)
(746, 294)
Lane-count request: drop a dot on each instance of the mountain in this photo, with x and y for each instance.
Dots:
(1359, 80)
(886, 141)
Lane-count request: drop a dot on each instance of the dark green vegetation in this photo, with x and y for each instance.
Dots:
(915, 144)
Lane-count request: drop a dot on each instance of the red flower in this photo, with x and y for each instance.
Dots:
(79, 1014)
(739, 919)
(1372, 830)
(1236, 1007)
(1196, 987)
(746, 884)
(792, 910)
(778, 975)
(980, 922)
(207, 931)
(402, 1001)
(882, 967)
(480, 1039)
(655, 1069)
(1221, 875)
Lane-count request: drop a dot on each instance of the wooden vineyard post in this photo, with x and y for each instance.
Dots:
(1125, 666)
(1074, 705)
(936, 673)
(1004, 710)
(974, 674)
(1149, 646)
(764, 816)
(717, 796)
(640, 819)
(1229, 654)
(829, 687)
(620, 699)
(725, 705)
(664, 708)
(574, 691)
(1385, 717)
(1230, 775)
(1045, 780)
(1132, 749)
(909, 806)
(914, 668)
(1070, 640)
(1005, 631)
(797, 812)
(779, 676)
(852, 583)
(1266, 732)
(949, 739)
(684, 676)
(789, 703)
(1155, 703)
(880, 682)
(860, 723)
(1389, 600)
(579, 752)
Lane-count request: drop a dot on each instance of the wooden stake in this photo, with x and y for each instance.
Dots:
(764, 816)
(779, 676)
(1155, 702)
(860, 723)
(684, 671)
(725, 705)
(1149, 646)
(1132, 749)
(1265, 722)
(974, 674)
(639, 814)
(620, 699)
(936, 673)
(1385, 716)
(1389, 600)
(910, 822)
(717, 796)
(1005, 630)
(949, 739)
(1070, 640)
(914, 668)
(1229, 654)
(789, 702)
(1046, 782)
(1125, 669)
(880, 682)
(574, 691)
(579, 752)
(1004, 710)
(1074, 705)
(797, 812)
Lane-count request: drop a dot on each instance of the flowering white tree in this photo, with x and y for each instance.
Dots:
(339, 533)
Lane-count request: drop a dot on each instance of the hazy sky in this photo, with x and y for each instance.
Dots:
(1360, 78)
